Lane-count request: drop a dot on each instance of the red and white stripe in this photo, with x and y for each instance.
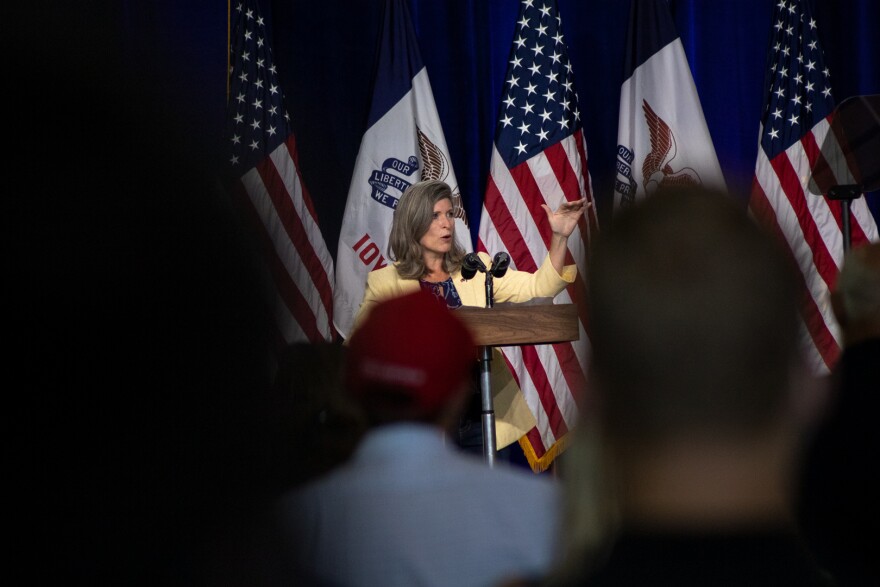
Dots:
(513, 221)
(297, 257)
(811, 226)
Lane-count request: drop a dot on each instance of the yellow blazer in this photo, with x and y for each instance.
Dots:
(513, 418)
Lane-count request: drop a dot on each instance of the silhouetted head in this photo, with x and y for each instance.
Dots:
(693, 319)
(856, 296)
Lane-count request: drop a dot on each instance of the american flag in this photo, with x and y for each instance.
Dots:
(263, 159)
(540, 156)
(795, 122)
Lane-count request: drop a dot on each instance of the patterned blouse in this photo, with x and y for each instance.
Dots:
(444, 290)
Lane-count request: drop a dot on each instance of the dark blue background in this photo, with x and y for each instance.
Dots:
(325, 52)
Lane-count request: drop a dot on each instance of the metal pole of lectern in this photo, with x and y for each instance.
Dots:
(470, 265)
(487, 415)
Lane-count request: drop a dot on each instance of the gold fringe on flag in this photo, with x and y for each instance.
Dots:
(539, 465)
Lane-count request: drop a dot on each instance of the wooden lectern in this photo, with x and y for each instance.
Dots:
(513, 324)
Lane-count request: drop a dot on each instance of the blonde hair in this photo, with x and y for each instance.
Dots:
(412, 219)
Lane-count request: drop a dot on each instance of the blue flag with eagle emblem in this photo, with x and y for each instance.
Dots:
(403, 144)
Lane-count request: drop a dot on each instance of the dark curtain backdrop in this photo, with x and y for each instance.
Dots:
(325, 53)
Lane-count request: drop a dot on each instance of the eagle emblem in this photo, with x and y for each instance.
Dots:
(657, 168)
(435, 165)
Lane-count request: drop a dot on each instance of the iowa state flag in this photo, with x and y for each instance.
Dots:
(662, 135)
(403, 144)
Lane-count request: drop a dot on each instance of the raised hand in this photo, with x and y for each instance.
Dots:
(565, 218)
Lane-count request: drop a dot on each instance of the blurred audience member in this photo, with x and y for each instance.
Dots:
(142, 337)
(409, 508)
(699, 399)
(319, 424)
(841, 476)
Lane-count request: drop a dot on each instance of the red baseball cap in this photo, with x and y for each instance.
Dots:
(414, 344)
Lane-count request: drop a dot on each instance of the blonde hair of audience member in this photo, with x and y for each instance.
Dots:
(694, 366)
(412, 219)
(591, 514)
(856, 297)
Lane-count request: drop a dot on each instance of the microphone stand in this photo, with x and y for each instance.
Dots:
(487, 416)
(470, 265)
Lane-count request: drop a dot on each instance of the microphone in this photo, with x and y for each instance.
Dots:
(500, 264)
(470, 265)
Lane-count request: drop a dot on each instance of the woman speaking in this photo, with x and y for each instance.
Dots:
(425, 254)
